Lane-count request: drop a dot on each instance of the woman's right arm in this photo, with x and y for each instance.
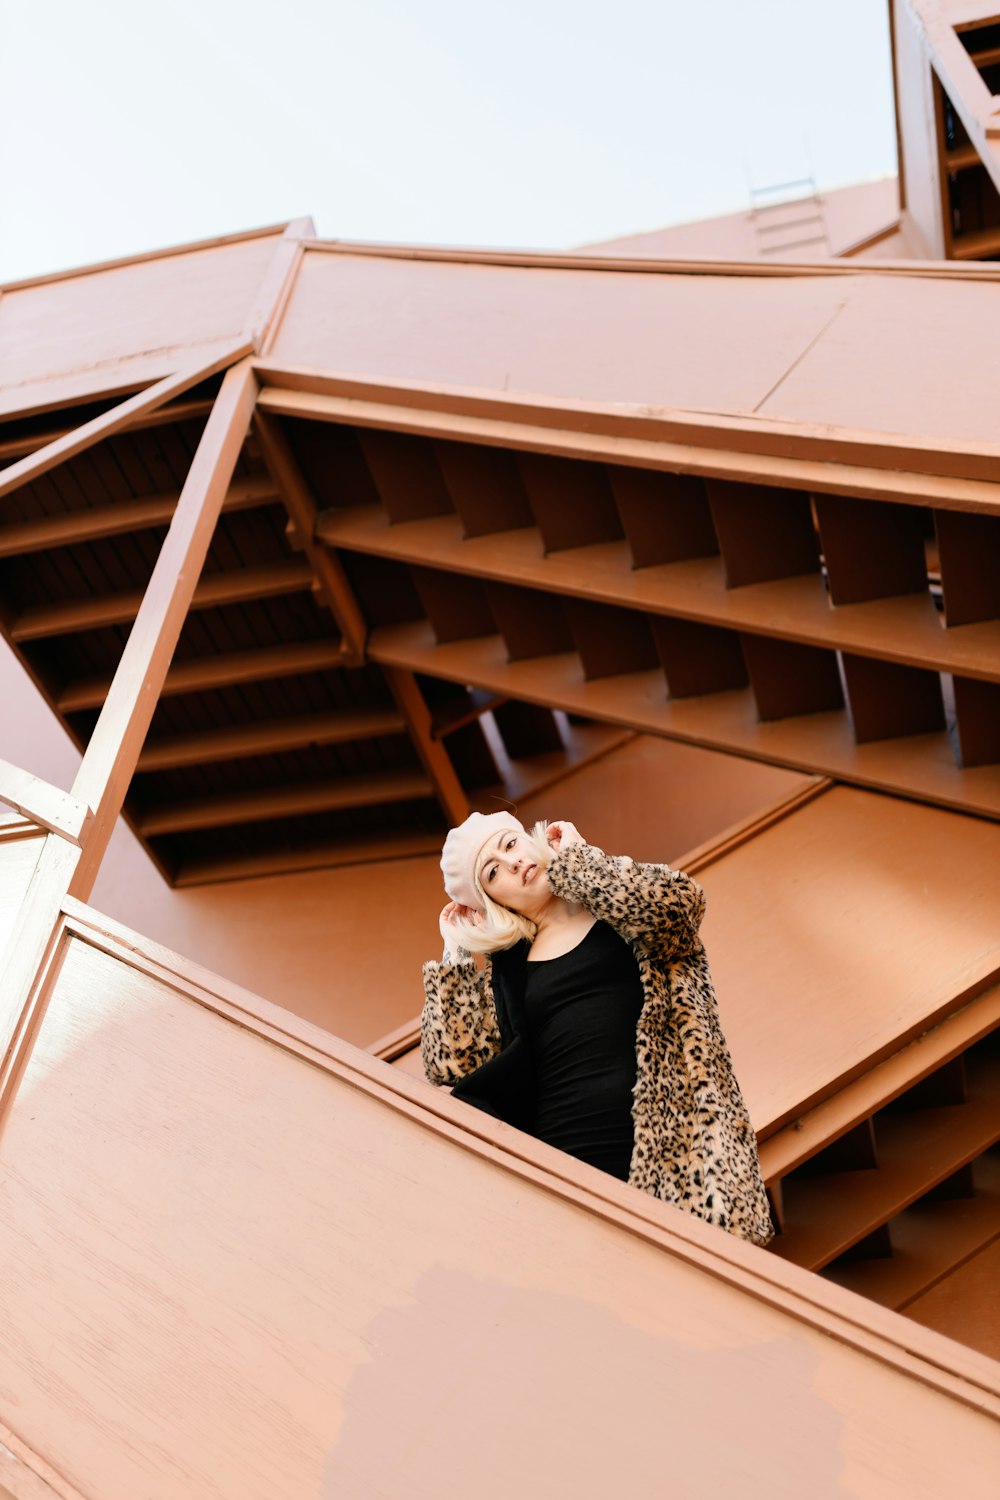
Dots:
(458, 1026)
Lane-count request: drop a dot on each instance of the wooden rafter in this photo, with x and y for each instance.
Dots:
(206, 673)
(174, 411)
(95, 522)
(237, 587)
(114, 748)
(119, 417)
(436, 761)
(269, 738)
(302, 512)
(286, 802)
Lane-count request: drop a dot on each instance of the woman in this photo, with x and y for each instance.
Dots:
(593, 1024)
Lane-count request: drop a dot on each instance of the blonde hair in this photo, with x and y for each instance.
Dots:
(499, 927)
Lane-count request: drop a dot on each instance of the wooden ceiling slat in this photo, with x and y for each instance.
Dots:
(266, 738)
(205, 673)
(826, 1214)
(287, 801)
(219, 588)
(16, 447)
(906, 628)
(125, 516)
(920, 766)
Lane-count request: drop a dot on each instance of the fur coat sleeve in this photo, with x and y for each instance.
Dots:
(658, 909)
(458, 1028)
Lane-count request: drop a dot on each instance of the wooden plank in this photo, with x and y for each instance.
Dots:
(977, 715)
(789, 1147)
(921, 766)
(872, 550)
(825, 1215)
(571, 501)
(206, 673)
(698, 658)
(268, 738)
(94, 522)
(173, 411)
(666, 516)
(888, 700)
(41, 621)
(790, 455)
(48, 806)
(264, 317)
(56, 452)
(406, 475)
(929, 1240)
(763, 532)
(969, 560)
(789, 678)
(485, 486)
(111, 756)
(457, 607)
(368, 790)
(302, 512)
(433, 755)
(610, 641)
(905, 629)
(532, 623)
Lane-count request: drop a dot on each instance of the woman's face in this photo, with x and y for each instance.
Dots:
(508, 873)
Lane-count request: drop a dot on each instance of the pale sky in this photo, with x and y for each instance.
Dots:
(125, 125)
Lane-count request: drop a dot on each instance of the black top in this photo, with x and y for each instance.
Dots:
(581, 1012)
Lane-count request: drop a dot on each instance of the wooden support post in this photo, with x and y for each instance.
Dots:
(70, 443)
(435, 758)
(302, 511)
(115, 745)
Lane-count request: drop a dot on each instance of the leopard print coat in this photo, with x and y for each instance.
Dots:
(694, 1144)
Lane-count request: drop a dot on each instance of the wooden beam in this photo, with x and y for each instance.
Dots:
(796, 455)
(285, 802)
(236, 587)
(204, 674)
(115, 745)
(905, 628)
(790, 1146)
(302, 511)
(48, 806)
(272, 296)
(269, 738)
(95, 522)
(921, 766)
(437, 763)
(174, 411)
(119, 417)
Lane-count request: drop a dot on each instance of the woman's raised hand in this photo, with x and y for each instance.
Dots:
(449, 915)
(561, 835)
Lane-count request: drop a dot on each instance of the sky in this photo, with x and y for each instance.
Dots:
(126, 126)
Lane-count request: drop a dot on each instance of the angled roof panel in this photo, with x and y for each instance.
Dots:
(702, 343)
(870, 351)
(118, 327)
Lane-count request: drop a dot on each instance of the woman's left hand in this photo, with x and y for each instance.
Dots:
(561, 835)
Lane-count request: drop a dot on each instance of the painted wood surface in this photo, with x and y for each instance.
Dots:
(774, 346)
(18, 858)
(228, 1271)
(842, 931)
(66, 338)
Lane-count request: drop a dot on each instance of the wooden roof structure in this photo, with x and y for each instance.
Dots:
(741, 505)
(313, 545)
